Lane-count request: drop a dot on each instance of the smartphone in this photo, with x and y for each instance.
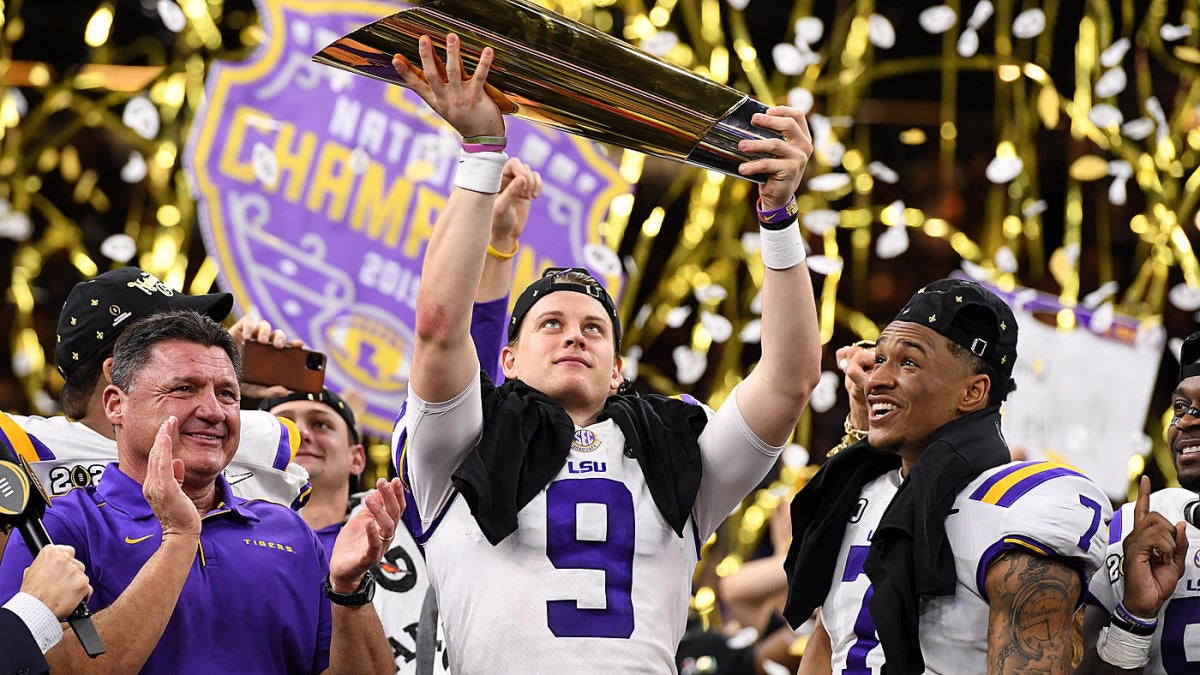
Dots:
(293, 367)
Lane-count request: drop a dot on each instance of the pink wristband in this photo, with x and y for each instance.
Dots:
(475, 144)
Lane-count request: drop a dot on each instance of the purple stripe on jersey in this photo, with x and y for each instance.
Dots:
(689, 399)
(1005, 544)
(1026, 484)
(996, 478)
(283, 453)
(415, 526)
(399, 444)
(1114, 528)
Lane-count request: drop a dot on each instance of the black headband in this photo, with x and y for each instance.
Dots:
(327, 397)
(550, 283)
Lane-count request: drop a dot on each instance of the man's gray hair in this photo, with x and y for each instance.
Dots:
(132, 350)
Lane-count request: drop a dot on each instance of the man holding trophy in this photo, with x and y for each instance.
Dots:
(561, 520)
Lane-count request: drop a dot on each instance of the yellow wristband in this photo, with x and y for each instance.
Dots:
(503, 256)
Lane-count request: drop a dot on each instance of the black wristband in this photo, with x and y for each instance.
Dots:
(1132, 627)
(361, 596)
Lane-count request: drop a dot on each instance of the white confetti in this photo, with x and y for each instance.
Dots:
(677, 315)
(828, 182)
(1120, 168)
(800, 98)
(1104, 115)
(689, 364)
(880, 31)
(629, 364)
(1115, 53)
(601, 259)
(119, 248)
(1138, 129)
(661, 43)
(820, 221)
(1029, 24)
(642, 316)
(19, 103)
(1034, 208)
(1117, 192)
(824, 265)
(1102, 319)
(751, 242)
(1006, 261)
(135, 168)
(983, 12)
(710, 293)
(141, 116)
(892, 243)
(737, 4)
(1111, 83)
(1171, 33)
(809, 29)
(825, 394)
(937, 19)
(794, 456)
(1003, 169)
(883, 172)
(751, 333)
(15, 225)
(1184, 297)
(1106, 291)
(717, 326)
(974, 271)
(172, 16)
(756, 303)
(265, 164)
(968, 43)
(788, 59)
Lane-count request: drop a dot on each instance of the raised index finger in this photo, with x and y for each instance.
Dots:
(1142, 506)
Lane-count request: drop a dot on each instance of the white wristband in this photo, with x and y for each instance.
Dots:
(480, 171)
(782, 249)
(1118, 647)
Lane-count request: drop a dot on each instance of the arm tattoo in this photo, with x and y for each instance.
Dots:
(1032, 603)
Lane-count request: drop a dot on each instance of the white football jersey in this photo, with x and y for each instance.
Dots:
(594, 580)
(75, 456)
(1045, 508)
(1039, 507)
(845, 614)
(1179, 620)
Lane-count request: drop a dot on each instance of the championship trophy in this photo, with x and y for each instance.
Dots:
(558, 72)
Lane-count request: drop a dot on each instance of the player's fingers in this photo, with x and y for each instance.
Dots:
(1181, 545)
(1142, 506)
(454, 66)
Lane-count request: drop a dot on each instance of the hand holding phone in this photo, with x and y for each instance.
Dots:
(296, 368)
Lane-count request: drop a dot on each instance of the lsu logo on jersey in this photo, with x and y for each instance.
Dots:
(584, 441)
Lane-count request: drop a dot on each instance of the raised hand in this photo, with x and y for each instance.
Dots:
(520, 185)
(251, 328)
(856, 362)
(459, 99)
(367, 536)
(790, 154)
(163, 487)
(1154, 557)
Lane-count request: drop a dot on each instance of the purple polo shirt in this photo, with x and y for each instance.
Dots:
(253, 601)
(328, 535)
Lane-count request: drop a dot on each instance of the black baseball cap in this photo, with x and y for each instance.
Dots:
(1189, 354)
(324, 396)
(553, 280)
(969, 315)
(97, 311)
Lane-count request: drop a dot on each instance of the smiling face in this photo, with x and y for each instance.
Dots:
(1183, 435)
(196, 384)
(326, 449)
(565, 350)
(917, 386)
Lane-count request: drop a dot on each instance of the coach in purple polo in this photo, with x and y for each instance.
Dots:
(186, 577)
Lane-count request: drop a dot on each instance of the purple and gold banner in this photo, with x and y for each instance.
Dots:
(318, 191)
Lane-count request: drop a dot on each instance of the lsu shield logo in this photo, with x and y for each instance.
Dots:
(318, 191)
